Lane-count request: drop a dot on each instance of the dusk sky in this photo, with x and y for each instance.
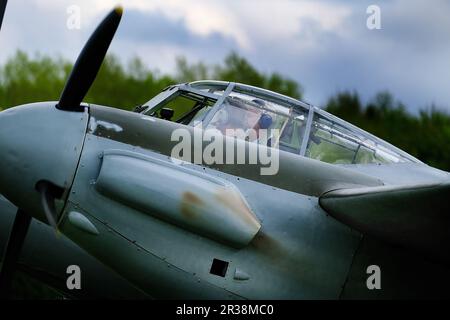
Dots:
(324, 45)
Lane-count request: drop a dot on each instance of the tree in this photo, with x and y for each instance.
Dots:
(42, 78)
(237, 69)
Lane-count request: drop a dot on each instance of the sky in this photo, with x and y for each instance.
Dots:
(324, 45)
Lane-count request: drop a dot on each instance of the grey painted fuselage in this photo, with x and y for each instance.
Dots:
(299, 252)
(46, 257)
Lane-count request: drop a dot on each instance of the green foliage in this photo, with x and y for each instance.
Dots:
(25, 80)
(238, 69)
(41, 78)
(128, 87)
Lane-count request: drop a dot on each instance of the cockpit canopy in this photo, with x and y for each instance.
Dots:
(272, 119)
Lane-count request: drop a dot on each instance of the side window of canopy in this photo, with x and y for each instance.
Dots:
(264, 122)
(333, 143)
(183, 107)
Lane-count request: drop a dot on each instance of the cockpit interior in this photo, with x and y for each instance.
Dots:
(288, 124)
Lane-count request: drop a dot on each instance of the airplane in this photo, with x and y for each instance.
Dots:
(114, 191)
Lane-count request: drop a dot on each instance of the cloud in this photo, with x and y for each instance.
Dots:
(325, 45)
(156, 28)
(407, 56)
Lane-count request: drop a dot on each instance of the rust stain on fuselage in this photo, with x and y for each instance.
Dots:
(192, 198)
(189, 201)
(264, 242)
(283, 259)
(237, 205)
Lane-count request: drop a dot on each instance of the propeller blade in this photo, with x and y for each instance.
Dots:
(48, 194)
(88, 63)
(2, 10)
(12, 252)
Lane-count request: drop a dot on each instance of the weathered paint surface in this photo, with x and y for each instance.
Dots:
(290, 256)
(296, 173)
(382, 212)
(199, 202)
(46, 257)
(293, 250)
(39, 131)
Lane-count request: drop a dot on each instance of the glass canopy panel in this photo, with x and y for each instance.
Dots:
(255, 120)
(334, 143)
(183, 107)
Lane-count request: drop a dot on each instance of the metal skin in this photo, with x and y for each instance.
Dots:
(30, 137)
(50, 176)
(178, 229)
(286, 246)
(46, 257)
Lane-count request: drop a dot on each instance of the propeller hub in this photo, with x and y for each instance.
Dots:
(38, 143)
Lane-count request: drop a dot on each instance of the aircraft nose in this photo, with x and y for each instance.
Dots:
(38, 142)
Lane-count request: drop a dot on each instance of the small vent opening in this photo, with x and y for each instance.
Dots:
(219, 268)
